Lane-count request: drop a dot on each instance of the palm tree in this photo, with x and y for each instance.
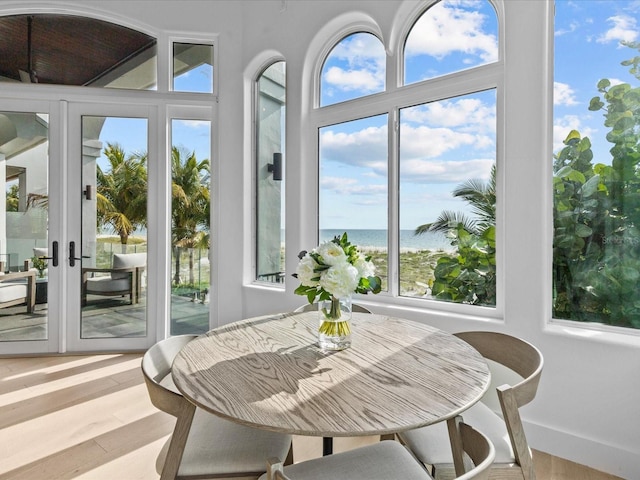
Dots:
(482, 199)
(122, 192)
(469, 275)
(13, 198)
(190, 206)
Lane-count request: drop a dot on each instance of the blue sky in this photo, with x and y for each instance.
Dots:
(588, 49)
(193, 135)
(445, 143)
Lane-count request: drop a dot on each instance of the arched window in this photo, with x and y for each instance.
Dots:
(410, 173)
(448, 37)
(270, 114)
(354, 68)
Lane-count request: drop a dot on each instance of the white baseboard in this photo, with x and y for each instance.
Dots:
(600, 456)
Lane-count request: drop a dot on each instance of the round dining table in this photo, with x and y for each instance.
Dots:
(268, 372)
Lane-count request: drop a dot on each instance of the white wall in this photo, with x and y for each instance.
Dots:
(587, 409)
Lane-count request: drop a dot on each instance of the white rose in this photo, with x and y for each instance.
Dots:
(331, 253)
(305, 271)
(365, 269)
(341, 280)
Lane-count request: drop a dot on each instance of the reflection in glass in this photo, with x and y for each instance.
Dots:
(24, 162)
(192, 68)
(59, 49)
(270, 168)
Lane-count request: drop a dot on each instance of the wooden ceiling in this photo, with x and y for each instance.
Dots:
(66, 49)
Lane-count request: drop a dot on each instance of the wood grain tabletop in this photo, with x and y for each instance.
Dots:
(267, 372)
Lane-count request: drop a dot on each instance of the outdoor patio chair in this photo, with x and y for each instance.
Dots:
(516, 367)
(385, 460)
(18, 288)
(123, 278)
(204, 445)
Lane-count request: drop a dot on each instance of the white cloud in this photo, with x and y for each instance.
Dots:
(572, 27)
(357, 63)
(195, 123)
(467, 114)
(563, 94)
(445, 29)
(364, 148)
(624, 29)
(426, 142)
(440, 171)
(349, 80)
(350, 186)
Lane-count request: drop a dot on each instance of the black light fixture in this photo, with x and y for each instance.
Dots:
(276, 166)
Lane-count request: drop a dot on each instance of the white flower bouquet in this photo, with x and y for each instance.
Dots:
(333, 270)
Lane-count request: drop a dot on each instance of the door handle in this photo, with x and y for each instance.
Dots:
(72, 254)
(54, 254)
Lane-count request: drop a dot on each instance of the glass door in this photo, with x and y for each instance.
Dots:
(29, 273)
(108, 247)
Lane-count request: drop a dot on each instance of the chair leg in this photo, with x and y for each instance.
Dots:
(453, 425)
(178, 441)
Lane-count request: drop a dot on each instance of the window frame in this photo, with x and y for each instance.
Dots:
(166, 71)
(255, 104)
(390, 101)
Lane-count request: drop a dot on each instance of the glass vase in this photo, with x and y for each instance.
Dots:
(334, 317)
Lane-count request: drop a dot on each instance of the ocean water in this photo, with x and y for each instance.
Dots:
(378, 239)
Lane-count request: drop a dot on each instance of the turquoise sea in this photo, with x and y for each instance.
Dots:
(378, 239)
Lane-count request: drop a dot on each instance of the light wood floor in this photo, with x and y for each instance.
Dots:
(89, 417)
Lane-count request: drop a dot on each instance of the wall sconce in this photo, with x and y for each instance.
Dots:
(276, 166)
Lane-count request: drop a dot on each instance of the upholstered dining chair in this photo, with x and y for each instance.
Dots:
(310, 307)
(203, 445)
(516, 367)
(385, 460)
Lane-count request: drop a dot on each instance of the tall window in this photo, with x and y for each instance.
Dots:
(270, 167)
(447, 199)
(190, 225)
(596, 175)
(426, 209)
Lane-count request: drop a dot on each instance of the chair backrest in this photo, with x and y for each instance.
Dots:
(480, 450)
(156, 369)
(127, 260)
(309, 307)
(515, 354)
(475, 444)
(40, 252)
(524, 359)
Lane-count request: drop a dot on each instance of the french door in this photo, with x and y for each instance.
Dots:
(108, 248)
(77, 215)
